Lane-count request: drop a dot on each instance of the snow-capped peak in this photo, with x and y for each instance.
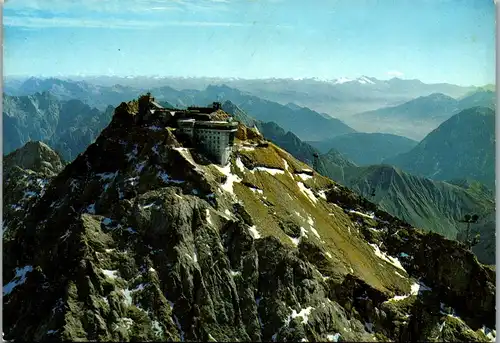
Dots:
(343, 80)
(365, 80)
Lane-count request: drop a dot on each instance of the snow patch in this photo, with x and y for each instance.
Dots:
(209, 217)
(295, 241)
(110, 273)
(132, 155)
(333, 338)
(167, 179)
(307, 192)
(322, 195)
(396, 272)
(132, 181)
(234, 273)
(490, 334)
(107, 176)
(310, 221)
(230, 178)
(126, 323)
(256, 190)
(130, 230)
(106, 221)
(304, 313)
(29, 194)
(392, 260)
(19, 279)
(399, 297)
(253, 232)
(343, 80)
(145, 207)
(315, 232)
(127, 293)
(240, 164)
(367, 215)
(272, 171)
(139, 167)
(304, 177)
(91, 208)
(286, 164)
(418, 287)
(157, 329)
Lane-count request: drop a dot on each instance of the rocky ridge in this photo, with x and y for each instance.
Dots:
(142, 238)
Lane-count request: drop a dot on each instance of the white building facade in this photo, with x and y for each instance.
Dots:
(216, 138)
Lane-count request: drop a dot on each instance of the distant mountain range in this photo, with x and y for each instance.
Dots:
(339, 98)
(463, 147)
(67, 126)
(90, 94)
(306, 123)
(417, 117)
(366, 148)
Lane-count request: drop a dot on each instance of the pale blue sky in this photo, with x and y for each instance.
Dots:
(432, 40)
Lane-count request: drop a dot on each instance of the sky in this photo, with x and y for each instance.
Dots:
(431, 40)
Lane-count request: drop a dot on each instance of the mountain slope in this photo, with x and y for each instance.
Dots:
(366, 148)
(68, 126)
(155, 243)
(461, 147)
(418, 117)
(432, 205)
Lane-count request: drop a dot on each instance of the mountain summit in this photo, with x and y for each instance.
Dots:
(142, 238)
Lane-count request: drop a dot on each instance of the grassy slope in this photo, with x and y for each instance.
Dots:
(282, 199)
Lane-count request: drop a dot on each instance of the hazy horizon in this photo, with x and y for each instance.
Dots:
(434, 41)
(156, 77)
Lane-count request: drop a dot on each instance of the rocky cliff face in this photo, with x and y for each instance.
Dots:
(143, 239)
(68, 126)
(26, 173)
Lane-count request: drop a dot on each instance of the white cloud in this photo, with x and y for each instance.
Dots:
(395, 73)
(36, 22)
(113, 6)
